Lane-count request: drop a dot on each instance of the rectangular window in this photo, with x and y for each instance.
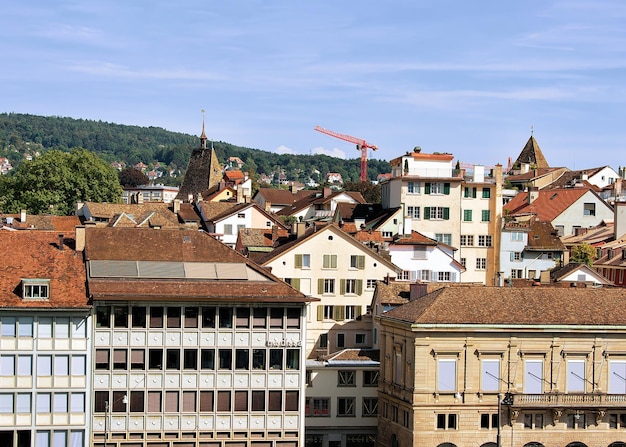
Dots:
(486, 193)
(62, 327)
(275, 401)
(7, 365)
(489, 421)
(23, 403)
(171, 402)
(481, 263)
(360, 339)
(575, 376)
(292, 400)
(258, 358)
(617, 376)
(100, 402)
(302, 261)
(191, 317)
(533, 421)
(223, 401)
(62, 365)
(436, 213)
(370, 283)
(484, 240)
(120, 359)
(208, 317)
(444, 238)
(319, 407)
(24, 365)
(226, 317)
(60, 403)
(293, 359)
(258, 401)
(138, 316)
(207, 359)
(242, 359)
(137, 359)
(155, 358)
(345, 406)
(173, 317)
(25, 326)
(276, 359)
(446, 421)
(346, 378)
(413, 212)
(517, 236)
(446, 375)
(79, 365)
(44, 365)
(589, 209)
(241, 400)
(293, 318)
(490, 377)
(357, 262)
(190, 359)
(206, 401)
(276, 317)
(413, 188)
(467, 215)
(8, 326)
(329, 286)
(323, 341)
(341, 340)
(259, 319)
(469, 192)
(156, 317)
(120, 316)
(44, 327)
(225, 359)
(136, 402)
(36, 289)
(329, 262)
(533, 377)
(485, 216)
(370, 378)
(172, 358)
(189, 401)
(102, 358)
(242, 320)
(154, 401)
(370, 407)
(228, 229)
(467, 240)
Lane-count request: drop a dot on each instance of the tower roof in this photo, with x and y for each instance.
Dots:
(532, 155)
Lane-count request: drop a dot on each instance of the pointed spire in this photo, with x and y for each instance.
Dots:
(203, 137)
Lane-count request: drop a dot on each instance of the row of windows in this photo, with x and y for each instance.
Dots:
(174, 317)
(481, 263)
(47, 365)
(346, 407)
(534, 382)
(359, 339)
(430, 212)
(484, 240)
(392, 412)
(327, 286)
(485, 215)
(348, 378)
(338, 313)
(470, 192)
(60, 438)
(197, 359)
(44, 403)
(329, 261)
(430, 188)
(195, 401)
(44, 327)
(426, 275)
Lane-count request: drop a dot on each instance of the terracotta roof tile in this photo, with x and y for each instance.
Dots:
(36, 255)
(548, 205)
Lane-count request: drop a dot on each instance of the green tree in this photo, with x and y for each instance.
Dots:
(54, 182)
(370, 192)
(583, 253)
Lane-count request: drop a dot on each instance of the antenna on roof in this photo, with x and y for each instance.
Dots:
(532, 129)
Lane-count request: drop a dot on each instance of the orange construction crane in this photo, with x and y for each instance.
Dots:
(361, 145)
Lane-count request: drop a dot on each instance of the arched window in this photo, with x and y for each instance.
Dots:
(489, 444)
(576, 444)
(533, 444)
(446, 444)
(617, 444)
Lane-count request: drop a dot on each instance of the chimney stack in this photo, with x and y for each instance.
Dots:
(61, 241)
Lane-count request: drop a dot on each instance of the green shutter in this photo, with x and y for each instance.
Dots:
(466, 192)
(427, 212)
(342, 286)
(320, 312)
(295, 283)
(333, 261)
(446, 213)
(326, 261)
(359, 287)
(320, 286)
(298, 261)
(339, 313)
(359, 311)
(446, 188)
(427, 188)
(360, 262)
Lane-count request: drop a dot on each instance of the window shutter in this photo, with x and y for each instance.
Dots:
(342, 286)
(446, 213)
(512, 256)
(427, 188)
(360, 262)
(453, 276)
(339, 313)
(295, 283)
(333, 261)
(359, 287)
(358, 311)
(320, 312)
(427, 212)
(446, 189)
(298, 261)
(320, 286)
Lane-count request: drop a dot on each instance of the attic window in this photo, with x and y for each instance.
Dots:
(35, 289)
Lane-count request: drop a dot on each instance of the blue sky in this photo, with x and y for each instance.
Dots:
(467, 78)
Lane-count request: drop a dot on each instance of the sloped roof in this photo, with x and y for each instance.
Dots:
(549, 203)
(203, 173)
(415, 238)
(41, 222)
(392, 292)
(543, 237)
(283, 196)
(598, 235)
(511, 306)
(531, 154)
(36, 255)
(559, 274)
(534, 174)
(168, 256)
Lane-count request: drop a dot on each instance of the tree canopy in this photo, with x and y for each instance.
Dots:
(583, 253)
(131, 177)
(54, 182)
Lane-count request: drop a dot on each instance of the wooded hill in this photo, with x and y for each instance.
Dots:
(24, 133)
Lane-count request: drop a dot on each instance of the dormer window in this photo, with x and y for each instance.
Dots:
(35, 289)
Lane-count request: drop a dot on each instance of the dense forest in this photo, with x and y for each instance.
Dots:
(22, 134)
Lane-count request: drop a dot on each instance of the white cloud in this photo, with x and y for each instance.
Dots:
(335, 152)
(282, 149)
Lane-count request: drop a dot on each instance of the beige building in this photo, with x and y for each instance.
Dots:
(483, 366)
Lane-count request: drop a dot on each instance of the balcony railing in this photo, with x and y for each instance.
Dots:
(571, 400)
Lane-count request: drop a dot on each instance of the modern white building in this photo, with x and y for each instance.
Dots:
(194, 344)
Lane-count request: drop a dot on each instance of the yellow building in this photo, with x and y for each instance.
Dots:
(487, 366)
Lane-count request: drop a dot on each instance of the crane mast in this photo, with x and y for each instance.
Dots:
(361, 145)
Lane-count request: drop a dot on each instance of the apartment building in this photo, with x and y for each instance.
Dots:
(487, 366)
(194, 345)
(460, 208)
(45, 328)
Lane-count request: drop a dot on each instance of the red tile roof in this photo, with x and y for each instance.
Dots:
(36, 255)
(548, 205)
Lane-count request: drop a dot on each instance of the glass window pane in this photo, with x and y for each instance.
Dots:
(77, 403)
(79, 328)
(446, 378)
(22, 404)
(44, 365)
(44, 327)
(59, 438)
(490, 375)
(617, 377)
(24, 365)
(62, 327)
(25, 326)
(6, 403)
(8, 326)
(77, 438)
(533, 379)
(576, 376)
(60, 402)
(44, 402)
(42, 439)
(61, 365)
(7, 365)
(78, 365)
